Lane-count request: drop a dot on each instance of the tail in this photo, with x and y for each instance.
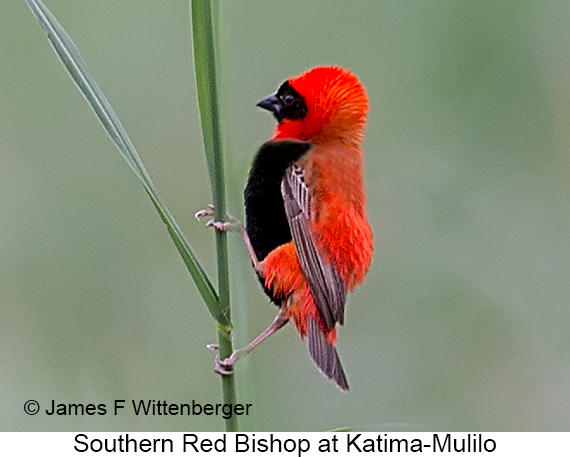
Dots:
(324, 355)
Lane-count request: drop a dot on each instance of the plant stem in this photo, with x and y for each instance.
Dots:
(204, 46)
(228, 382)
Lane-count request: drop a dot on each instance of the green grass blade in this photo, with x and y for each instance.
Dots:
(204, 26)
(204, 45)
(80, 74)
(207, 88)
(203, 35)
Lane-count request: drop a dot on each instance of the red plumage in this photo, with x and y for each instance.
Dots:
(337, 107)
(306, 225)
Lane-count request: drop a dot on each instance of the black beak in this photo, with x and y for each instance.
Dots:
(272, 103)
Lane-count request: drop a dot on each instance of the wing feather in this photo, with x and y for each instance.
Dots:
(324, 281)
(325, 355)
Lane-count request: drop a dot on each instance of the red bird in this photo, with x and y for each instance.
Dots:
(306, 225)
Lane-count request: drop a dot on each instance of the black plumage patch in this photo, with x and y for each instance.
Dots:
(266, 221)
(292, 103)
(286, 103)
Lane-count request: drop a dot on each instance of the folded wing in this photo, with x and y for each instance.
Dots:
(324, 281)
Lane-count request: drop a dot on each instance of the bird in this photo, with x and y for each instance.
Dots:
(306, 226)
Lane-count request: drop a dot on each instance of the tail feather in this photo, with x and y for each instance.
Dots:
(324, 355)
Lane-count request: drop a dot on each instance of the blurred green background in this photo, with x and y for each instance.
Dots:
(463, 322)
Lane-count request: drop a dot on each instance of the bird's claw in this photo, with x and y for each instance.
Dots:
(231, 223)
(224, 367)
(204, 212)
(219, 225)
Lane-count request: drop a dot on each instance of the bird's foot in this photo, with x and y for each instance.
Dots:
(230, 224)
(235, 225)
(226, 367)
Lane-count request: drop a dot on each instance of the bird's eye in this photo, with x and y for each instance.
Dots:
(287, 99)
(293, 106)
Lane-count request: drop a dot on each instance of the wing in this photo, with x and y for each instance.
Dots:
(324, 355)
(324, 281)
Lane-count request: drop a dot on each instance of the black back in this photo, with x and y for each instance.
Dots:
(266, 221)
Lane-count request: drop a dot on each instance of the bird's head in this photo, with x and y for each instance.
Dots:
(322, 103)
